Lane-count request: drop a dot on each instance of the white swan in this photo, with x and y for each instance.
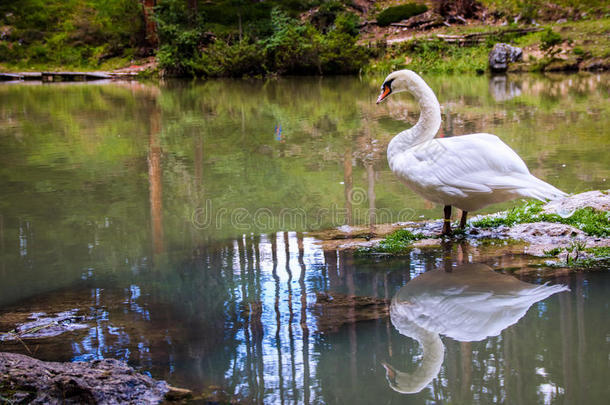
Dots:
(468, 172)
(470, 303)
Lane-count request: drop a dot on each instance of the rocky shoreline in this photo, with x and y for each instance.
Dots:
(556, 243)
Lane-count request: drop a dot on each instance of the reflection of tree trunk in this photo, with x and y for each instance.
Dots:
(507, 367)
(582, 348)
(278, 316)
(198, 165)
(351, 315)
(348, 182)
(447, 247)
(330, 258)
(256, 324)
(466, 363)
(370, 176)
(386, 295)
(291, 316)
(247, 313)
(517, 365)
(565, 326)
(155, 180)
(304, 327)
(448, 132)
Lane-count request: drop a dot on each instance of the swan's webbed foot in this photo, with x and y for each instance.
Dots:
(447, 221)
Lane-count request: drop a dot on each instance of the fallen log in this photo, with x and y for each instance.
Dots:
(5, 77)
(482, 36)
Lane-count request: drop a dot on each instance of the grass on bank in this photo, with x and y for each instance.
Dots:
(395, 243)
(579, 256)
(592, 222)
(588, 220)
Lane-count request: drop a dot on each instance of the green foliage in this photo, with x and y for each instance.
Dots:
(602, 252)
(588, 220)
(291, 47)
(180, 38)
(432, 55)
(552, 252)
(580, 256)
(69, 32)
(347, 23)
(325, 17)
(394, 243)
(398, 13)
(531, 9)
(549, 40)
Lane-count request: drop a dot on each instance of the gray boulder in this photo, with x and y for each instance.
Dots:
(503, 54)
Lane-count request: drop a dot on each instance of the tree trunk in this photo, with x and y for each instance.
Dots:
(151, 26)
(192, 8)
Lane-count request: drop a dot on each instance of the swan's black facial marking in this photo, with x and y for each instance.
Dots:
(386, 90)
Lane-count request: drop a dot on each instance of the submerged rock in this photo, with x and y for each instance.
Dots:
(40, 325)
(335, 309)
(502, 55)
(27, 380)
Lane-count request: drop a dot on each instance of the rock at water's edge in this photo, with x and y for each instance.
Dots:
(27, 380)
(503, 54)
(597, 199)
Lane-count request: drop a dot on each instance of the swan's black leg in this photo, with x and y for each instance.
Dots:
(463, 219)
(447, 221)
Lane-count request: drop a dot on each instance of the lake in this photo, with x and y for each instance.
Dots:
(174, 219)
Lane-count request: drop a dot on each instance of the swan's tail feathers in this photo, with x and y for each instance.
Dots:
(541, 190)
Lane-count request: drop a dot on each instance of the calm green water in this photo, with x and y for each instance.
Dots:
(173, 217)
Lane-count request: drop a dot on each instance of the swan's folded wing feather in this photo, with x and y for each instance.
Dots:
(476, 163)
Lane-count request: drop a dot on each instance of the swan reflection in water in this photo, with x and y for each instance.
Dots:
(470, 303)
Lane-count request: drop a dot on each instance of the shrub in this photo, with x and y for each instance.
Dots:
(347, 23)
(339, 54)
(398, 13)
(180, 39)
(549, 39)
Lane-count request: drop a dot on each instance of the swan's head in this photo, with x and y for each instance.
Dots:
(401, 80)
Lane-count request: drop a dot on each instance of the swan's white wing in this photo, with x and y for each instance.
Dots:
(462, 167)
(477, 162)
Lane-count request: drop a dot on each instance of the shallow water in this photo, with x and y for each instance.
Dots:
(172, 217)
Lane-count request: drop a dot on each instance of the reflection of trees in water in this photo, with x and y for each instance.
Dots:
(123, 196)
(237, 315)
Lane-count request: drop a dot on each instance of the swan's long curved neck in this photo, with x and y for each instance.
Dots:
(428, 124)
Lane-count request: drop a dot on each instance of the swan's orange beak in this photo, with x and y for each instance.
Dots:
(384, 93)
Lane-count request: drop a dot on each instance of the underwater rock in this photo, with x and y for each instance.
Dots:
(503, 54)
(27, 380)
(40, 325)
(335, 309)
